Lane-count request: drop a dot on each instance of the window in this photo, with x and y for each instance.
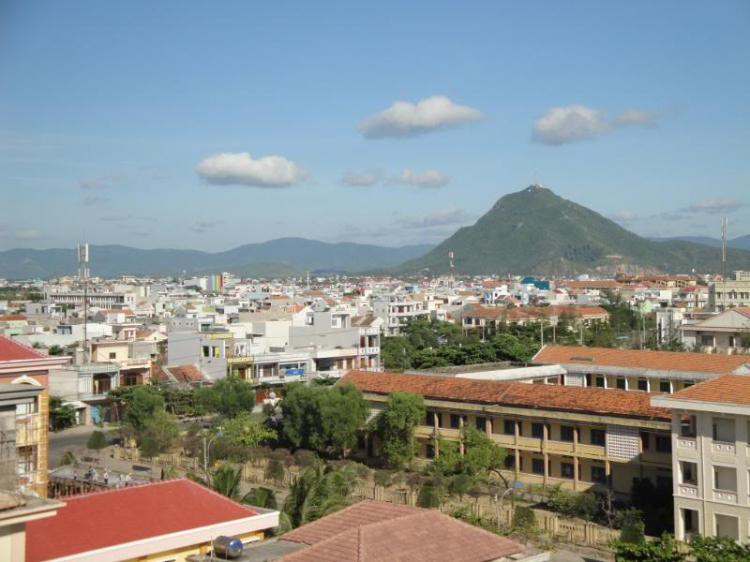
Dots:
(645, 441)
(598, 475)
(510, 462)
(723, 430)
(600, 382)
(598, 437)
(707, 341)
(621, 383)
(481, 424)
(430, 451)
(688, 384)
(687, 426)
(566, 469)
(537, 466)
(509, 427)
(455, 421)
(566, 433)
(205, 351)
(688, 473)
(113, 355)
(588, 380)
(664, 443)
(537, 430)
(665, 386)
(643, 384)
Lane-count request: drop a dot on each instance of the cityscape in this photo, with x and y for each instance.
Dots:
(344, 282)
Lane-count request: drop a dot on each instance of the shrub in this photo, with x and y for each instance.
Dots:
(430, 495)
(382, 478)
(632, 528)
(275, 471)
(524, 518)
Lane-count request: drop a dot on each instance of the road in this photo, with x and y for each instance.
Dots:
(74, 439)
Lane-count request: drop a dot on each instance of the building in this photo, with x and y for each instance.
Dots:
(16, 510)
(726, 332)
(166, 520)
(711, 457)
(373, 531)
(485, 317)
(74, 298)
(25, 367)
(580, 438)
(396, 310)
(633, 369)
(723, 295)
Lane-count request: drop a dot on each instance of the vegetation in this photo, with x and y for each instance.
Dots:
(61, 416)
(663, 549)
(395, 427)
(97, 441)
(160, 434)
(713, 549)
(524, 518)
(573, 504)
(326, 420)
(228, 397)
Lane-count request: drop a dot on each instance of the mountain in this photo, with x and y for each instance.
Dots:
(284, 255)
(740, 243)
(535, 231)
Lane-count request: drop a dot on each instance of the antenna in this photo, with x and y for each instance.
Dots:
(453, 269)
(724, 258)
(83, 276)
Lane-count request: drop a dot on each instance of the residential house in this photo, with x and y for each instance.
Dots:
(723, 295)
(726, 332)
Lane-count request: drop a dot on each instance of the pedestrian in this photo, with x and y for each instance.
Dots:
(105, 475)
(122, 480)
(75, 476)
(90, 473)
(128, 479)
(94, 475)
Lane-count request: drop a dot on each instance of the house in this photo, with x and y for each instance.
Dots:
(711, 457)
(726, 332)
(373, 531)
(723, 295)
(166, 520)
(16, 510)
(633, 369)
(26, 367)
(580, 438)
(482, 317)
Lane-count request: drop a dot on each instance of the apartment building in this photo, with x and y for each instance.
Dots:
(711, 457)
(106, 300)
(633, 369)
(723, 295)
(726, 332)
(580, 438)
(396, 310)
(27, 371)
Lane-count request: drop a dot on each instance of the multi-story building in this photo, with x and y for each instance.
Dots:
(711, 457)
(723, 295)
(483, 317)
(27, 370)
(396, 310)
(726, 332)
(107, 300)
(580, 438)
(632, 369)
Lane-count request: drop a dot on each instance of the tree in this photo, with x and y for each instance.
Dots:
(460, 484)
(244, 431)
(395, 427)
(632, 529)
(275, 471)
(663, 549)
(160, 434)
(141, 405)
(317, 492)
(481, 454)
(430, 494)
(56, 350)
(97, 441)
(228, 397)
(261, 497)
(718, 549)
(324, 419)
(524, 518)
(226, 480)
(61, 416)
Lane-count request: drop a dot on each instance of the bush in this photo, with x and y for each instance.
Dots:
(97, 441)
(275, 471)
(306, 458)
(632, 528)
(572, 504)
(524, 518)
(67, 458)
(430, 495)
(382, 478)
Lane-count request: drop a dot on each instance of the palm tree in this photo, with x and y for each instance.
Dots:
(261, 497)
(226, 481)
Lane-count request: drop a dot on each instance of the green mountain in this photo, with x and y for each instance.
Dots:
(535, 231)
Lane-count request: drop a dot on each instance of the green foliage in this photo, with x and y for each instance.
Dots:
(663, 549)
(317, 492)
(61, 417)
(275, 471)
(524, 518)
(395, 427)
(261, 497)
(714, 549)
(448, 459)
(632, 528)
(460, 484)
(383, 478)
(244, 431)
(56, 350)
(573, 504)
(160, 434)
(141, 404)
(430, 495)
(324, 419)
(67, 458)
(481, 454)
(227, 480)
(97, 441)
(228, 397)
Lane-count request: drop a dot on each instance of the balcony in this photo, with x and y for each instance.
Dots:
(687, 491)
(29, 430)
(725, 496)
(369, 350)
(723, 448)
(687, 443)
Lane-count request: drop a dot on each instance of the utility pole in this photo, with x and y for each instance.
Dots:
(723, 259)
(83, 276)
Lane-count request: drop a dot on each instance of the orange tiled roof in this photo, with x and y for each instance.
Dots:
(518, 394)
(12, 317)
(727, 389)
(641, 359)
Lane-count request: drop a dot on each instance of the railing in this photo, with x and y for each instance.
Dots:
(687, 490)
(29, 430)
(687, 443)
(725, 496)
(723, 448)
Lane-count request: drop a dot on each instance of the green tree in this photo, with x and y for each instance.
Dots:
(395, 427)
(275, 471)
(228, 397)
(261, 497)
(481, 455)
(141, 405)
(718, 549)
(227, 480)
(244, 431)
(159, 435)
(97, 441)
(460, 484)
(632, 529)
(430, 494)
(324, 419)
(61, 416)
(317, 492)
(56, 350)
(663, 549)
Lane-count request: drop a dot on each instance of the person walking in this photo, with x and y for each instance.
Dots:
(128, 479)
(122, 480)
(105, 475)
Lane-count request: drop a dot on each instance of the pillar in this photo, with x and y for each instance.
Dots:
(461, 440)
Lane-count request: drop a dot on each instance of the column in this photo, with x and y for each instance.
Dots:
(608, 473)
(575, 473)
(545, 438)
(461, 439)
(489, 425)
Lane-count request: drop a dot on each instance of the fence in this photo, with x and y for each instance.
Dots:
(499, 514)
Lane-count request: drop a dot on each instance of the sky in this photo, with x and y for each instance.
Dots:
(208, 125)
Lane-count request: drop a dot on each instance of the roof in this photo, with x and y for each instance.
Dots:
(12, 318)
(372, 531)
(11, 350)
(517, 394)
(185, 373)
(727, 389)
(521, 313)
(641, 359)
(104, 519)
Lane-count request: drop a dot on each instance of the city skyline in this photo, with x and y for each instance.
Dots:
(186, 127)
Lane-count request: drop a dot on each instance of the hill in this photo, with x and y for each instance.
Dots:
(286, 256)
(535, 231)
(740, 243)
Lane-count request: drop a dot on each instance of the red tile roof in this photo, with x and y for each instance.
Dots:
(379, 532)
(517, 394)
(531, 312)
(641, 359)
(12, 318)
(727, 389)
(185, 373)
(99, 520)
(11, 350)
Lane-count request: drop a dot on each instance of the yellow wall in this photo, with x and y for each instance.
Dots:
(181, 554)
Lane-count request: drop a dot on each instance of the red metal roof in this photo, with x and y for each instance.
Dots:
(100, 520)
(11, 350)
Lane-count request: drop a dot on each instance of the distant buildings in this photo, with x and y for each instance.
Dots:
(731, 293)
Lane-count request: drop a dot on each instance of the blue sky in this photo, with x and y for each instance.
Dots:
(212, 124)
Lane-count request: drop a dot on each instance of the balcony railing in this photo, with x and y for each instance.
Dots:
(725, 496)
(29, 430)
(723, 448)
(687, 443)
(687, 490)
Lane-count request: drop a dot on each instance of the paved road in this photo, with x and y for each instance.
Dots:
(74, 439)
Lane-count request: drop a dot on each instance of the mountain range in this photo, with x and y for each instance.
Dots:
(535, 231)
(740, 243)
(276, 258)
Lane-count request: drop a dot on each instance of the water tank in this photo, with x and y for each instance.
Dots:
(227, 547)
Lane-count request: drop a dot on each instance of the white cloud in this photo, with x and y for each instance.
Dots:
(444, 217)
(716, 206)
(27, 234)
(404, 119)
(98, 182)
(623, 216)
(561, 125)
(364, 178)
(636, 117)
(428, 178)
(241, 169)
(205, 226)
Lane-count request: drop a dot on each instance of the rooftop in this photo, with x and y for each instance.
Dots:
(727, 389)
(518, 394)
(11, 350)
(641, 359)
